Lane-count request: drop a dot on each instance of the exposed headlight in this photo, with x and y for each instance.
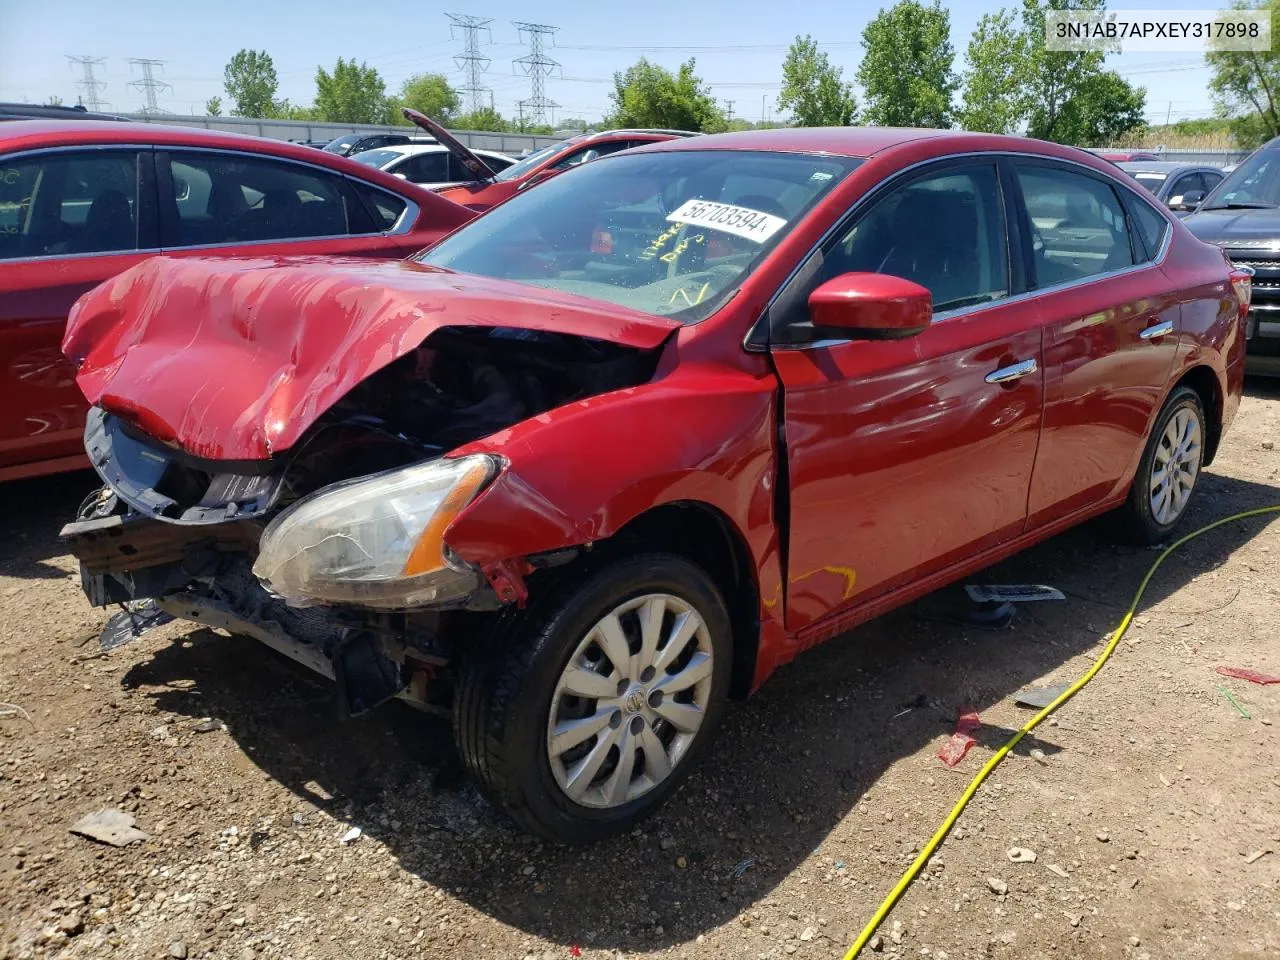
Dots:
(376, 541)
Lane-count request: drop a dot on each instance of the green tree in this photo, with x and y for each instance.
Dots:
(812, 89)
(486, 118)
(1054, 77)
(250, 82)
(995, 97)
(353, 93)
(213, 106)
(647, 95)
(427, 93)
(53, 101)
(1102, 110)
(907, 70)
(1246, 84)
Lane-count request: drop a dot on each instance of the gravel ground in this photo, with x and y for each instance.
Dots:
(1149, 802)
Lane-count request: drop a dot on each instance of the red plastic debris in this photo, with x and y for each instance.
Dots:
(953, 750)
(1253, 676)
(575, 951)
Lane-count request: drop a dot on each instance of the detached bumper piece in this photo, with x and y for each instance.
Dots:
(158, 571)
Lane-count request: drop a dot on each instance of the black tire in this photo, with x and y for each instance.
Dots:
(1140, 523)
(507, 680)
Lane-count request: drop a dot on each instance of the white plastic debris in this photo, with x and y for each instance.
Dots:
(109, 826)
(351, 836)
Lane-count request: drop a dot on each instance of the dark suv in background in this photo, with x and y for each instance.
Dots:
(1242, 216)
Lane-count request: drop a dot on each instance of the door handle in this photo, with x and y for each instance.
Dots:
(1015, 372)
(1157, 331)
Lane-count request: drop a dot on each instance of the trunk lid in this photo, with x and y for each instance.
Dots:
(469, 159)
(235, 359)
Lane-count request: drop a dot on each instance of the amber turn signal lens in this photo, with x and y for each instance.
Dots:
(428, 553)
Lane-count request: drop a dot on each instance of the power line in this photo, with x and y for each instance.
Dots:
(537, 66)
(89, 83)
(471, 61)
(149, 85)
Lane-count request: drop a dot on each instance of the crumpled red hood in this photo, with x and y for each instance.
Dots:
(235, 359)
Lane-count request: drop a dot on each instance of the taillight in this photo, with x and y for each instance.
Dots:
(1242, 284)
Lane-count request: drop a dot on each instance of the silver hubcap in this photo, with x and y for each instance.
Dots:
(1176, 465)
(630, 701)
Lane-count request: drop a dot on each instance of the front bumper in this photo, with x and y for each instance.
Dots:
(204, 574)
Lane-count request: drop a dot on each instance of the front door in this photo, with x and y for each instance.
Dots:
(69, 219)
(904, 456)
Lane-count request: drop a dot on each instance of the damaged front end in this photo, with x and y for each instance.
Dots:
(333, 551)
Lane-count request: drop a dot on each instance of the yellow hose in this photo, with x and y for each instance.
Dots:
(935, 841)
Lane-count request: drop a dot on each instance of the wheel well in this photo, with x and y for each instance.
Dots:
(705, 536)
(1205, 382)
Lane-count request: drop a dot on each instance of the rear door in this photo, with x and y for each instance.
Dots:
(70, 218)
(1110, 331)
(224, 203)
(906, 456)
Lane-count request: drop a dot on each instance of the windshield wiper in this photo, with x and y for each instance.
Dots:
(1242, 205)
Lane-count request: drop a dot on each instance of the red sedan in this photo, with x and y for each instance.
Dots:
(81, 201)
(613, 452)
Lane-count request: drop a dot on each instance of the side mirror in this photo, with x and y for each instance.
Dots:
(871, 306)
(537, 178)
(1188, 201)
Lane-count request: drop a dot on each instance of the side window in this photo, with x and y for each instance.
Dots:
(1211, 180)
(1077, 225)
(58, 204)
(945, 231)
(1149, 225)
(1187, 183)
(222, 198)
(425, 168)
(384, 208)
(588, 154)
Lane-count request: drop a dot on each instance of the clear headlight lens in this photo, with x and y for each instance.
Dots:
(376, 541)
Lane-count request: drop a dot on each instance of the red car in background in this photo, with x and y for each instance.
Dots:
(492, 187)
(624, 445)
(81, 201)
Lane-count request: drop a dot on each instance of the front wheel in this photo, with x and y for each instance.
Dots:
(583, 713)
(1169, 470)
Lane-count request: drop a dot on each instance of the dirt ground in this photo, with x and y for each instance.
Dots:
(1150, 803)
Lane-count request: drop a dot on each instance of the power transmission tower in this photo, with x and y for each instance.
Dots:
(471, 61)
(149, 85)
(537, 66)
(89, 83)
(728, 109)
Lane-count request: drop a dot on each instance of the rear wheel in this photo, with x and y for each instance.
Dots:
(1169, 470)
(583, 713)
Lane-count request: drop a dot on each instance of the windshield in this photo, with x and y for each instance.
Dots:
(1151, 181)
(341, 143)
(521, 167)
(672, 234)
(376, 158)
(1255, 183)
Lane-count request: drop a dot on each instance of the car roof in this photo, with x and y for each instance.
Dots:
(36, 134)
(1162, 166)
(860, 142)
(412, 148)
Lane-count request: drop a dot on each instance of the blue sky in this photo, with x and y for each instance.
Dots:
(739, 46)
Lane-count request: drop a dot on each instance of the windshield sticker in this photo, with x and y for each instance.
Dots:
(740, 221)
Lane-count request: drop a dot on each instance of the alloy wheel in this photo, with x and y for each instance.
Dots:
(630, 701)
(1175, 466)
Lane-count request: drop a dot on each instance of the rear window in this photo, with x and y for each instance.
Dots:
(376, 158)
(1151, 181)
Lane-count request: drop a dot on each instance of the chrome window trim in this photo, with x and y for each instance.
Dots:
(77, 148)
(855, 210)
(403, 225)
